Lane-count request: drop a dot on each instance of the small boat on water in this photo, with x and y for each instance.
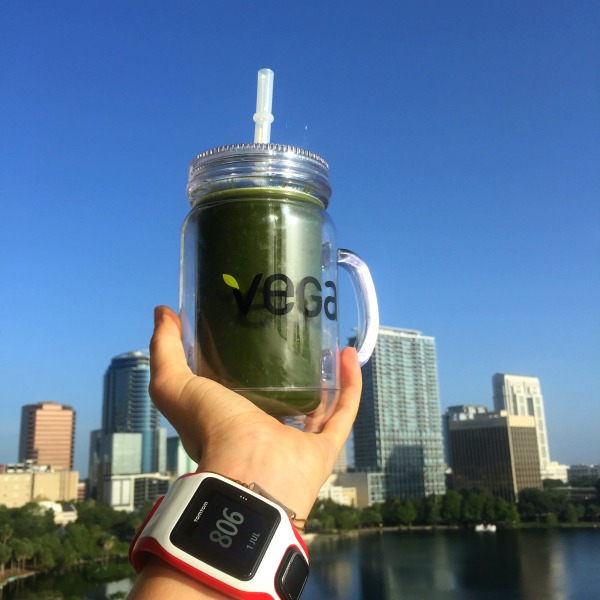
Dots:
(485, 528)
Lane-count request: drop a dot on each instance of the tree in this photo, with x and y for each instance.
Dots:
(593, 512)
(535, 504)
(473, 507)
(49, 551)
(451, 506)
(550, 484)
(347, 518)
(22, 550)
(5, 555)
(370, 517)
(431, 508)
(505, 511)
(569, 514)
(80, 540)
(406, 512)
(488, 508)
(107, 543)
(391, 511)
(31, 521)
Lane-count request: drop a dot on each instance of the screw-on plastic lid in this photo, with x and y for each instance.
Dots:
(258, 166)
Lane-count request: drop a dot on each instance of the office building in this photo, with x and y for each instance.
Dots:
(22, 483)
(398, 430)
(129, 492)
(127, 408)
(343, 495)
(521, 395)
(178, 461)
(131, 440)
(462, 412)
(576, 473)
(496, 453)
(47, 434)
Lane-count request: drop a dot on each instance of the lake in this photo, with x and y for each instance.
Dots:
(528, 564)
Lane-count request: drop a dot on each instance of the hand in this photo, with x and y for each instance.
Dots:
(231, 436)
(235, 438)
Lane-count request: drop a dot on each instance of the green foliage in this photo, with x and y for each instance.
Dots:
(550, 484)
(534, 504)
(370, 517)
(585, 481)
(347, 518)
(399, 512)
(569, 514)
(549, 506)
(593, 512)
(29, 538)
(473, 507)
(451, 506)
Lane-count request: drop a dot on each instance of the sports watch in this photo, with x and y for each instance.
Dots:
(225, 536)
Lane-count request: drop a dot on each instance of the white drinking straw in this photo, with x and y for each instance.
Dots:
(264, 105)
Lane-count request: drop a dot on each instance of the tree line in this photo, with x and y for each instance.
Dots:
(30, 539)
(549, 506)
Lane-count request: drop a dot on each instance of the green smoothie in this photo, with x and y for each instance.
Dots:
(261, 296)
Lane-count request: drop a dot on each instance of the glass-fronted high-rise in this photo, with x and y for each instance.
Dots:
(398, 430)
(127, 408)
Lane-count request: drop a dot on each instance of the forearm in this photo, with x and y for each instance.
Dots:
(159, 580)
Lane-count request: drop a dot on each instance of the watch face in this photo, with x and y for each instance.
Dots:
(226, 528)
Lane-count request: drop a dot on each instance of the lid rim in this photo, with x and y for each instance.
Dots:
(260, 149)
(258, 165)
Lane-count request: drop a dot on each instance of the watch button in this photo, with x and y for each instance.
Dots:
(292, 575)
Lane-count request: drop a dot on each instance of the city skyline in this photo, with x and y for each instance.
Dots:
(463, 141)
(81, 461)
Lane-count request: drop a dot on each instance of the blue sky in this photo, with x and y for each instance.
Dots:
(464, 145)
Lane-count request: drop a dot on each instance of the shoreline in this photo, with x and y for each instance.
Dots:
(11, 578)
(309, 537)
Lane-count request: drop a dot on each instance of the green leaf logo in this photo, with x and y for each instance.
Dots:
(231, 281)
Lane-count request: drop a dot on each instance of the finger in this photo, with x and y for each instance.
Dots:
(165, 345)
(168, 366)
(338, 427)
(193, 405)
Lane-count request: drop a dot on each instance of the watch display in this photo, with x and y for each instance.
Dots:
(226, 528)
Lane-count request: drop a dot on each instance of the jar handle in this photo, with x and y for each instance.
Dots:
(366, 300)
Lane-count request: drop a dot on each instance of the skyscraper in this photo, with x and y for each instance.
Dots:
(494, 452)
(131, 440)
(398, 430)
(47, 434)
(127, 408)
(521, 395)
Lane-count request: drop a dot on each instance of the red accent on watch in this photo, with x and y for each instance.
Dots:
(151, 545)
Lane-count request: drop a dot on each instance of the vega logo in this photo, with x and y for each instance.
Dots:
(307, 295)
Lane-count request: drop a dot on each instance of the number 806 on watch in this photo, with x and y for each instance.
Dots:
(226, 528)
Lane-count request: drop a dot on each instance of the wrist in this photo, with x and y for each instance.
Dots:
(285, 483)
